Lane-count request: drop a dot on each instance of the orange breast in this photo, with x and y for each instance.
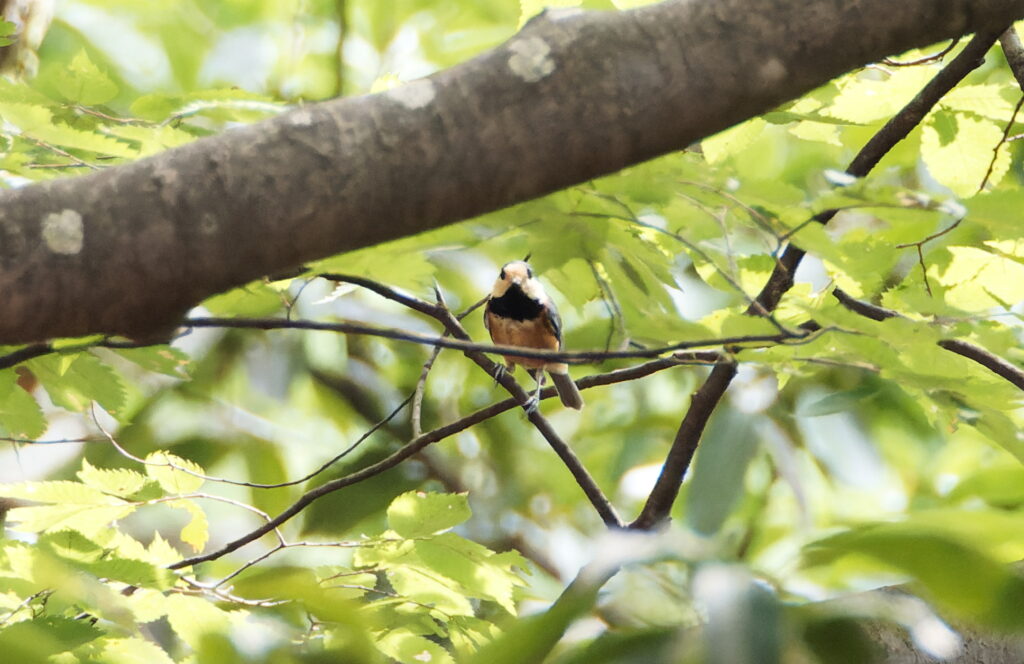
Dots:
(527, 333)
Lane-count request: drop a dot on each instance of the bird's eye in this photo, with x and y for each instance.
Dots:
(502, 275)
(529, 273)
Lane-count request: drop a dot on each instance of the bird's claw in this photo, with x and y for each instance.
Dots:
(499, 374)
(531, 405)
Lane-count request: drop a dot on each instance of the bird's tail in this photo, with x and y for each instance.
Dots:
(567, 391)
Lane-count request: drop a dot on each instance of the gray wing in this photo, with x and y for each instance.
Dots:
(553, 320)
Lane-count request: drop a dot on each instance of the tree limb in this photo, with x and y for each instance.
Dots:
(129, 249)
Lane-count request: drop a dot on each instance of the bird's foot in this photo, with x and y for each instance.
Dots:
(499, 374)
(530, 405)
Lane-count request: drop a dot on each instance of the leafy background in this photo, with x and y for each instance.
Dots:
(866, 456)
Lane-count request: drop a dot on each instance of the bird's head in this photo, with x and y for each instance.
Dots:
(519, 275)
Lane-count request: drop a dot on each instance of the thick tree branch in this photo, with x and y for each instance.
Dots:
(705, 400)
(129, 249)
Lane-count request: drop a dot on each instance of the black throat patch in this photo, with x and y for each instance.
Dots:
(515, 304)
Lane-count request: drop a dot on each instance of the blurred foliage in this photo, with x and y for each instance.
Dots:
(866, 455)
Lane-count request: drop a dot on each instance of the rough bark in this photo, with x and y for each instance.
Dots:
(574, 95)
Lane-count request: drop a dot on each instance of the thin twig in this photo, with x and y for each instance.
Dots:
(571, 357)
(919, 245)
(993, 363)
(934, 57)
(1005, 139)
(611, 304)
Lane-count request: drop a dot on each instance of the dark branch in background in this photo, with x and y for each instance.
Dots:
(680, 456)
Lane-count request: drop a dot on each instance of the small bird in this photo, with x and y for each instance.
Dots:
(519, 313)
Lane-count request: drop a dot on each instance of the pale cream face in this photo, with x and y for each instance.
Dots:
(518, 272)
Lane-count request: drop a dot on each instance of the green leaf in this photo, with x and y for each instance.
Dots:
(60, 491)
(868, 97)
(75, 380)
(840, 401)
(175, 475)
(20, 415)
(959, 576)
(87, 519)
(408, 648)
(533, 638)
(957, 148)
(197, 531)
(418, 514)
(120, 482)
(82, 82)
(733, 141)
(1000, 486)
(161, 359)
(979, 279)
(743, 618)
(193, 617)
(530, 8)
(132, 650)
(479, 571)
(716, 483)
(35, 640)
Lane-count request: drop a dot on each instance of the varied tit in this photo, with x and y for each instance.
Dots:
(519, 313)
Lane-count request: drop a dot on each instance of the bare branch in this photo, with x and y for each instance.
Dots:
(990, 361)
(934, 57)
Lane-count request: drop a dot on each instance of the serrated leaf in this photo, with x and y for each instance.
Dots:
(75, 380)
(839, 402)
(480, 572)
(979, 279)
(175, 475)
(133, 650)
(161, 359)
(418, 583)
(150, 139)
(87, 519)
(408, 648)
(957, 148)
(119, 482)
(192, 617)
(865, 97)
(81, 81)
(39, 638)
(985, 100)
(20, 414)
(58, 491)
(197, 531)
(732, 141)
(417, 514)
